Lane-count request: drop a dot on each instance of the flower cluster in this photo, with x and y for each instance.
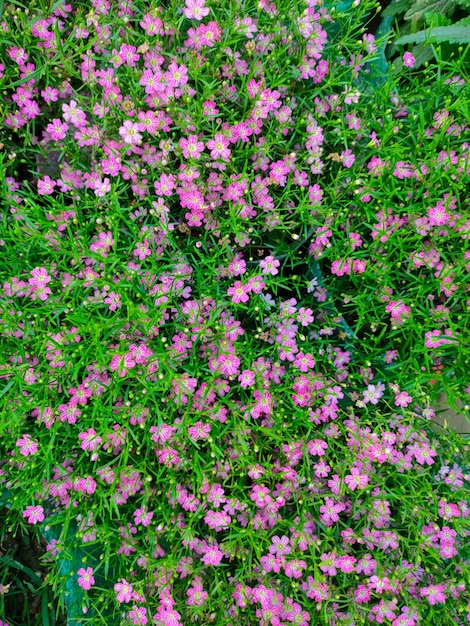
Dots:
(219, 276)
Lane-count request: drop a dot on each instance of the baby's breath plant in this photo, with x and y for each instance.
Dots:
(232, 265)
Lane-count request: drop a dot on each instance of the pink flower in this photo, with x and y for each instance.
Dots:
(317, 447)
(89, 440)
(403, 399)
(57, 129)
(191, 147)
(199, 431)
(138, 615)
(424, 454)
(85, 579)
(356, 480)
(269, 265)
(219, 147)
(228, 364)
(34, 514)
(129, 132)
(295, 568)
(408, 59)
(280, 545)
(122, 363)
(113, 299)
(40, 277)
(123, 591)
(27, 445)
(73, 114)
(195, 9)
(239, 292)
(329, 511)
(212, 555)
(177, 75)
(434, 594)
(46, 186)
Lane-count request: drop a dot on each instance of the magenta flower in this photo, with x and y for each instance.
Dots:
(239, 292)
(212, 555)
(408, 59)
(122, 363)
(85, 578)
(46, 186)
(27, 446)
(434, 594)
(34, 514)
(356, 480)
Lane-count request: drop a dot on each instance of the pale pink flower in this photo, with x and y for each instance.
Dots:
(219, 147)
(129, 132)
(195, 10)
(280, 545)
(73, 114)
(403, 399)
(123, 591)
(269, 265)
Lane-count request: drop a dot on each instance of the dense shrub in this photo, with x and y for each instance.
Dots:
(233, 262)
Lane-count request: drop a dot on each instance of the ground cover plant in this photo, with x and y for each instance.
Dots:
(234, 276)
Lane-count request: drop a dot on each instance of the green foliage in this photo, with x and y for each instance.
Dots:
(453, 34)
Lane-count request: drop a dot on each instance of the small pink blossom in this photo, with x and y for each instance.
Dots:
(129, 132)
(408, 59)
(34, 514)
(195, 9)
(85, 579)
(57, 129)
(434, 594)
(121, 364)
(27, 446)
(212, 555)
(123, 591)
